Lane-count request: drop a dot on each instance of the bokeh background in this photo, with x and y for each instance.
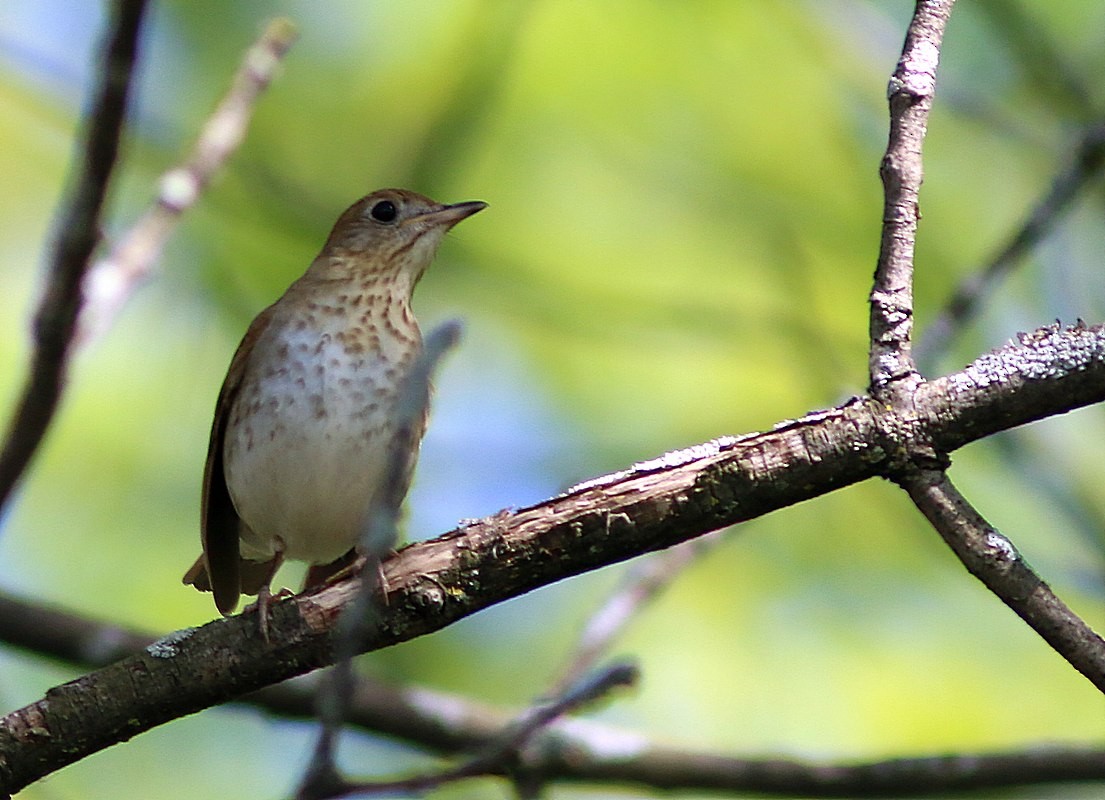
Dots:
(684, 221)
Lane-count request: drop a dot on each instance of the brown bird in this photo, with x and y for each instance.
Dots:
(306, 414)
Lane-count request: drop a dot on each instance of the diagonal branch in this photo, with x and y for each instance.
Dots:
(501, 755)
(994, 560)
(76, 236)
(114, 278)
(80, 302)
(647, 507)
(910, 93)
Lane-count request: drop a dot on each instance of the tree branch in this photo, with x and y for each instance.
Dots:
(80, 302)
(76, 236)
(113, 279)
(663, 768)
(650, 506)
(910, 93)
(900, 432)
(994, 560)
(503, 754)
(575, 751)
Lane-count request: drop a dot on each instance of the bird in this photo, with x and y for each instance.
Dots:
(303, 423)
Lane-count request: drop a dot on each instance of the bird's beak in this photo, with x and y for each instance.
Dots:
(448, 216)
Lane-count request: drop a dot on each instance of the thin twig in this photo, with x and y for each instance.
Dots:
(321, 778)
(503, 755)
(994, 560)
(113, 279)
(1086, 165)
(910, 94)
(76, 236)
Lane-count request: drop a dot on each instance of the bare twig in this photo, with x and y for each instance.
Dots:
(910, 93)
(644, 582)
(503, 755)
(994, 560)
(1084, 167)
(76, 235)
(321, 778)
(113, 279)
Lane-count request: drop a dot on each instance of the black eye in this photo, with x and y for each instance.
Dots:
(384, 211)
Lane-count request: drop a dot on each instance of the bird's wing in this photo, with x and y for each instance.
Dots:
(219, 524)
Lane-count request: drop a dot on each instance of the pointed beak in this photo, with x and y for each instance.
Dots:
(448, 216)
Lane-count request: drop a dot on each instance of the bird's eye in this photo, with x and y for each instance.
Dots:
(384, 211)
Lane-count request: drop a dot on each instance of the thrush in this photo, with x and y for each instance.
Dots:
(307, 412)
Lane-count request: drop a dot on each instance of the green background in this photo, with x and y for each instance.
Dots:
(683, 223)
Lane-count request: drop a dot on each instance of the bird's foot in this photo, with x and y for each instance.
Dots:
(264, 601)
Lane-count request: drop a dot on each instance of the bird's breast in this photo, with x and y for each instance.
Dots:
(306, 442)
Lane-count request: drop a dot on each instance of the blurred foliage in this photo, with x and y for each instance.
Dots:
(684, 220)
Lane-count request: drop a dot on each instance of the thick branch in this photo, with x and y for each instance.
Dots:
(76, 235)
(653, 505)
(1008, 387)
(910, 93)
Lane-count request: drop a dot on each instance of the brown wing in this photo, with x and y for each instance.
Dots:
(219, 521)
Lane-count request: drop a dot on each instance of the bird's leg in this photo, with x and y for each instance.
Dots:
(264, 600)
(265, 597)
